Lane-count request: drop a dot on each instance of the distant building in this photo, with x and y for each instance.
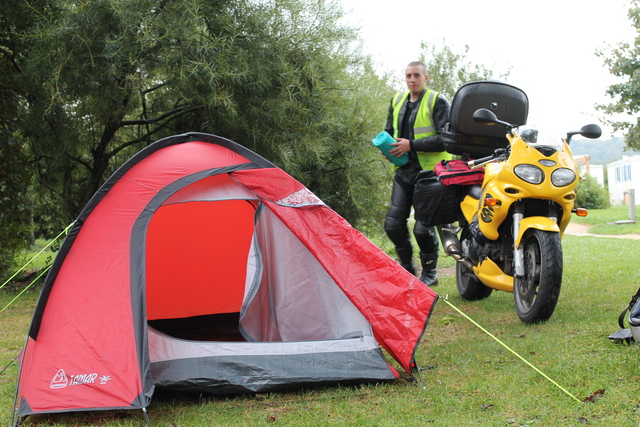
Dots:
(623, 175)
(584, 165)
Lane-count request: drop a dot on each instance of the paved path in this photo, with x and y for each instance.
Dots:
(576, 229)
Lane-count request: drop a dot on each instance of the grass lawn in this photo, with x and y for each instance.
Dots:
(603, 221)
(468, 378)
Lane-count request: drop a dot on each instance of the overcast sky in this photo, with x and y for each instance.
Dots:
(550, 45)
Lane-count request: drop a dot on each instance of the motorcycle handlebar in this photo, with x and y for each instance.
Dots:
(499, 154)
(477, 162)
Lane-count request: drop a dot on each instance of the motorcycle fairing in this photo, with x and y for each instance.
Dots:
(538, 222)
(491, 275)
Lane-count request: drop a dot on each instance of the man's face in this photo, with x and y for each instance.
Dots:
(416, 78)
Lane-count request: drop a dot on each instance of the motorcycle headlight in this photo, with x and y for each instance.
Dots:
(530, 173)
(562, 177)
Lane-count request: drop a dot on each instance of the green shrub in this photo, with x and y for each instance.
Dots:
(590, 194)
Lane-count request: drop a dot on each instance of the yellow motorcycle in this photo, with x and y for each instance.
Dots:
(509, 228)
(513, 224)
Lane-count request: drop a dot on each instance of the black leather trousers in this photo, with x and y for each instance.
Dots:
(395, 224)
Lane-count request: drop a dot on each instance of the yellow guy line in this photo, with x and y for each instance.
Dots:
(36, 255)
(44, 270)
(508, 348)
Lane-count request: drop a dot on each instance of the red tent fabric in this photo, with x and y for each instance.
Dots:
(365, 273)
(194, 227)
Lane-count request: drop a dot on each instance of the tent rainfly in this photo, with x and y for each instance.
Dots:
(200, 266)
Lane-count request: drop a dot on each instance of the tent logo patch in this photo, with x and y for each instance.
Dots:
(60, 379)
(300, 198)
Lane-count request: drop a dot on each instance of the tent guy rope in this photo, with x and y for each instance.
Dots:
(444, 298)
(65, 231)
(44, 270)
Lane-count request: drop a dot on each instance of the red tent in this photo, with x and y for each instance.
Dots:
(201, 266)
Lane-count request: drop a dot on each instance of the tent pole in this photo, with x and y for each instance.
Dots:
(19, 421)
(15, 396)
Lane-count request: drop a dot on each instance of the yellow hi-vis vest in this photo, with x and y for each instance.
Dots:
(423, 126)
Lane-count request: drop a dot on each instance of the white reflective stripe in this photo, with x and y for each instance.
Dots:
(427, 129)
(399, 97)
(430, 101)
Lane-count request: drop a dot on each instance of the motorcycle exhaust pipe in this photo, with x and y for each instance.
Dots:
(449, 239)
(464, 261)
(451, 244)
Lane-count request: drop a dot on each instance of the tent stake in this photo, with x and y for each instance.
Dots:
(417, 369)
(146, 416)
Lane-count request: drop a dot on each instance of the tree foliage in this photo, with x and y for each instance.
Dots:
(14, 171)
(590, 194)
(14, 179)
(99, 80)
(624, 62)
(448, 70)
(88, 83)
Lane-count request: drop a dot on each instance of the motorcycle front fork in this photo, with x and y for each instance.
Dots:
(518, 252)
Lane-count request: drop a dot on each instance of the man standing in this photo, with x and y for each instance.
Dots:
(416, 118)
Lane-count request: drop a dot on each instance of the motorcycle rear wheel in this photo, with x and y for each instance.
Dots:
(536, 294)
(469, 286)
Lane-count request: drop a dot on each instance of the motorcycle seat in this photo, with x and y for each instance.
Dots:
(474, 191)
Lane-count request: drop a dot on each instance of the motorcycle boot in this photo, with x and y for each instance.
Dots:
(406, 259)
(427, 239)
(429, 275)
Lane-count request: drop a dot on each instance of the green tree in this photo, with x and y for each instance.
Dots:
(15, 214)
(99, 80)
(448, 70)
(624, 62)
(14, 181)
(590, 194)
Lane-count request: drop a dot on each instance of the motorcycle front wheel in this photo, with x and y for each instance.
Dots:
(536, 294)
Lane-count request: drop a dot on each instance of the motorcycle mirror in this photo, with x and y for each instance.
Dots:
(485, 117)
(591, 131)
(488, 117)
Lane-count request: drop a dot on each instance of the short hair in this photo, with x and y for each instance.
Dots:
(418, 64)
